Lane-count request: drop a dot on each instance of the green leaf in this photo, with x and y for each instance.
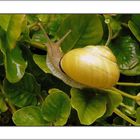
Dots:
(32, 18)
(127, 53)
(136, 19)
(85, 30)
(28, 116)
(113, 100)
(138, 115)
(89, 106)
(115, 25)
(52, 22)
(14, 63)
(40, 60)
(39, 36)
(3, 106)
(56, 108)
(54, 90)
(134, 29)
(15, 27)
(24, 92)
(132, 91)
(134, 25)
(4, 21)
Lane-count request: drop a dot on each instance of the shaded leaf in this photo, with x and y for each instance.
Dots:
(85, 30)
(89, 106)
(56, 108)
(127, 53)
(28, 116)
(134, 29)
(113, 101)
(131, 90)
(136, 19)
(1, 58)
(40, 60)
(24, 92)
(116, 26)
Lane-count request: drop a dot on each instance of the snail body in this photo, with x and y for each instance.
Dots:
(93, 66)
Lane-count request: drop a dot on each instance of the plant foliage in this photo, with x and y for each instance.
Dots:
(31, 96)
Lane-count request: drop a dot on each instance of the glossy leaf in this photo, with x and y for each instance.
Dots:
(14, 63)
(134, 29)
(56, 108)
(85, 30)
(28, 116)
(24, 92)
(54, 90)
(127, 53)
(4, 21)
(15, 27)
(89, 106)
(40, 60)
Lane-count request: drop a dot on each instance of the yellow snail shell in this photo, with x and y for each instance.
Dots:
(92, 66)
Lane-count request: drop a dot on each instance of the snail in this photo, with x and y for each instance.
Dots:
(90, 66)
(94, 66)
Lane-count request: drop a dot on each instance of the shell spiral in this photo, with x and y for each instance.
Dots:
(93, 66)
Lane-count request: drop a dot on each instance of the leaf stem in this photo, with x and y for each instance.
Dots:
(41, 98)
(124, 24)
(36, 45)
(12, 107)
(127, 84)
(107, 21)
(125, 94)
(33, 25)
(42, 28)
(125, 117)
(115, 90)
(130, 108)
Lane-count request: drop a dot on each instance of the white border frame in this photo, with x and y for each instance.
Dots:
(70, 133)
(70, 7)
